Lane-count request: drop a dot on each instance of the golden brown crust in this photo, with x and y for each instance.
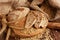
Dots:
(18, 14)
(28, 32)
(16, 18)
(18, 25)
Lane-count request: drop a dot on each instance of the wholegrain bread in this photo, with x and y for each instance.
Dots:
(16, 18)
(28, 32)
(30, 21)
(32, 31)
(18, 25)
(44, 36)
(42, 21)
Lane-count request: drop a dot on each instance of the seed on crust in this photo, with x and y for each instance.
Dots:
(28, 32)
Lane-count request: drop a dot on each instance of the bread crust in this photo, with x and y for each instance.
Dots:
(29, 32)
(16, 18)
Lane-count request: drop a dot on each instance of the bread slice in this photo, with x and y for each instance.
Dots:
(31, 19)
(42, 21)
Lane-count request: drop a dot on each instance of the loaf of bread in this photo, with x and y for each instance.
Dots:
(17, 17)
(30, 28)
